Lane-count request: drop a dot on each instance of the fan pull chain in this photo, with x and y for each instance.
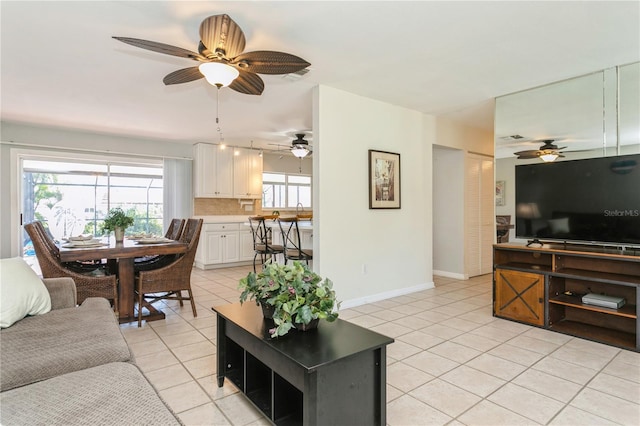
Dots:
(221, 139)
(218, 108)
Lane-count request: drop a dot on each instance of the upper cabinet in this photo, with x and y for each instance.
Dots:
(247, 174)
(212, 171)
(226, 173)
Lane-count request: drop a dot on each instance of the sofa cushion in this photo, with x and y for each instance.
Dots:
(64, 340)
(110, 394)
(22, 292)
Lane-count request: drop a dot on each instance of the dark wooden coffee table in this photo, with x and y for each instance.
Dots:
(334, 375)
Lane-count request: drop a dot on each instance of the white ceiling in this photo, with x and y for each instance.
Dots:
(60, 66)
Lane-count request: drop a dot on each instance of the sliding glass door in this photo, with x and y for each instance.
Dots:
(72, 197)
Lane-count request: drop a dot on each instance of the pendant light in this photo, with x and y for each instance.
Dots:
(300, 147)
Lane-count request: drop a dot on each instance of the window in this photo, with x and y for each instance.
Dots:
(280, 190)
(73, 198)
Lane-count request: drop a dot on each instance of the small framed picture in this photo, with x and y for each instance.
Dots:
(384, 180)
(500, 200)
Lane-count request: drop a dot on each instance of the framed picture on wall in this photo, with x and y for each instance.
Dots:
(384, 180)
(500, 200)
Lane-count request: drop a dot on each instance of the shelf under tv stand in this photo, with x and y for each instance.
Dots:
(542, 286)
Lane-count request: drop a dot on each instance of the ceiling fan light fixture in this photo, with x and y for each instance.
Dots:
(549, 157)
(218, 74)
(299, 151)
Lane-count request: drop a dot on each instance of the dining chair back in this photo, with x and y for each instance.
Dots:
(503, 223)
(291, 240)
(89, 266)
(262, 241)
(175, 229)
(87, 284)
(148, 263)
(169, 281)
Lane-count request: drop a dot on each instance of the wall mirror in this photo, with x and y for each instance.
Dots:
(586, 114)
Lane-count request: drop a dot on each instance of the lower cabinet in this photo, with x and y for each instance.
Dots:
(519, 296)
(221, 245)
(546, 287)
(246, 245)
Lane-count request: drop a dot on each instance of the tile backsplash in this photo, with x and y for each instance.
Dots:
(223, 206)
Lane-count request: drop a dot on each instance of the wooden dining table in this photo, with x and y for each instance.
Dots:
(123, 255)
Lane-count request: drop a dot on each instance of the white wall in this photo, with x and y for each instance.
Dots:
(452, 134)
(286, 163)
(455, 142)
(370, 254)
(448, 211)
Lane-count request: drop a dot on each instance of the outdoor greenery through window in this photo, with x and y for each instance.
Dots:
(280, 190)
(72, 198)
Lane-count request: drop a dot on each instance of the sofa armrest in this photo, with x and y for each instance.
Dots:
(62, 291)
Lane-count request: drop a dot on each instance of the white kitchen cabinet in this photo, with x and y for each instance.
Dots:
(220, 245)
(212, 171)
(247, 174)
(246, 244)
(306, 238)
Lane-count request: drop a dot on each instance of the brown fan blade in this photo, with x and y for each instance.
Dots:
(269, 62)
(184, 75)
(221, 35)
(248, 83)
(161, 48)
(533, 152)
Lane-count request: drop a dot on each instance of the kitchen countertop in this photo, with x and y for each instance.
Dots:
(240, 219)
(303, 224)
(224, 218)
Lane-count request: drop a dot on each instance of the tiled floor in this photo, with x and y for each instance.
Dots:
(452, 362)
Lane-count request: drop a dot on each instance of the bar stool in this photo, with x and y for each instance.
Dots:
(262, 241)
(291, 238)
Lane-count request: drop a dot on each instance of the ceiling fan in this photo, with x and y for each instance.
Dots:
(300, 146)
(221, 59)
(548, 152)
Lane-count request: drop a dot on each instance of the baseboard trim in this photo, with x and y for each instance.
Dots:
(208, 266)
(346, 304)
(447, 274)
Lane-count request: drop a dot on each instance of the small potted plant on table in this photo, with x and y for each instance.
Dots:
(117, 221)
(297, 296)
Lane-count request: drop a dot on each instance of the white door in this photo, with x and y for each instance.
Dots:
(479, 215)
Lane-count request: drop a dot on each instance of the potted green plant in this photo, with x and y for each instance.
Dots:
(260, 288)
(299, 297)
(117, 221)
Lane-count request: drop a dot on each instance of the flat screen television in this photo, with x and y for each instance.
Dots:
(595, 201)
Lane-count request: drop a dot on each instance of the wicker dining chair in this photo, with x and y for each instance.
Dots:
(175, 229)
(262, 245)
(148, 263)
(169, 281)
(84, 267)
(87, 285)
(291, 237)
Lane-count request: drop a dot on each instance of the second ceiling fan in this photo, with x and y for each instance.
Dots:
(548, 152)
(221, 59)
